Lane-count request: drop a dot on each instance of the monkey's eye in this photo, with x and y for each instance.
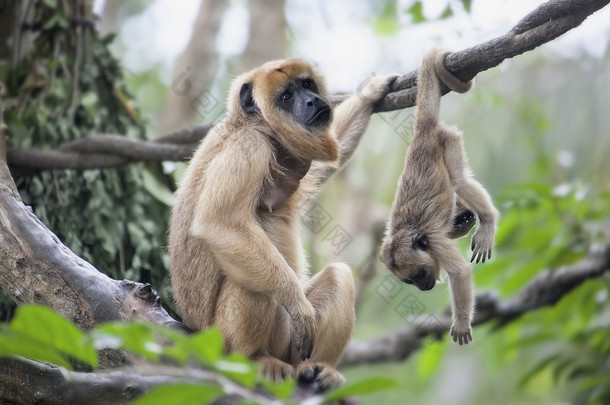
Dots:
(420, 241)
(286, 96)
(307, 84)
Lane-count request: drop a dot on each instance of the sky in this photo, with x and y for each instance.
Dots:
(338, 35)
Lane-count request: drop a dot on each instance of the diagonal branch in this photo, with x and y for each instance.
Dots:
(542, 25)
(546, 289)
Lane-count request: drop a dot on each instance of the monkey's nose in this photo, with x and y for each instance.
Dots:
(313, 101)
(420, 273)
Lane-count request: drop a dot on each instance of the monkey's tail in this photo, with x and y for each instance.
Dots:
(429, 76)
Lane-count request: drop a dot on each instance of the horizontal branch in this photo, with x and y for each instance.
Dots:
(56, 385)
(546, 289)
(545, 23)
(542, 25)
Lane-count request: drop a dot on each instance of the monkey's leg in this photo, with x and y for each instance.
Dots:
(331, 292)
(460, 286)
(472, 195)
(249, 321)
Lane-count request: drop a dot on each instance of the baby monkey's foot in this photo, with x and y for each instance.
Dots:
(482, 243)
(319, 376)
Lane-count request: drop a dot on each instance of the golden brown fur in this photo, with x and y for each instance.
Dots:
(236, 256)
(419, 234)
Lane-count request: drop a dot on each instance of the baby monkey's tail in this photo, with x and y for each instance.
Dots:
(429, 76)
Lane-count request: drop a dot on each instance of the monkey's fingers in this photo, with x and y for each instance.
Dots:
(305, 347)
(304, 342)
(461, 337)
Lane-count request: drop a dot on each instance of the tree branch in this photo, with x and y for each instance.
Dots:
(56, 385)
(542, 25)
(546, 289)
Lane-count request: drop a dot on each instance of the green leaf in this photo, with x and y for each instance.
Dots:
(183, 394)
(537, 369)
(281, 390)
(11, 345)
(50, 3)
(417, 12)
(157, 189)
(448, 12)
(208, 345)
(387, 23)
(135, 337)
(430, 359)
(238, 368)
(363, 387)
(48, 335)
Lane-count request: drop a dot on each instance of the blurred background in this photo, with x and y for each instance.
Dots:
(537, 133)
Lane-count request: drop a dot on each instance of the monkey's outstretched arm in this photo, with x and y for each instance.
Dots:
(350, 120)
(225, 219)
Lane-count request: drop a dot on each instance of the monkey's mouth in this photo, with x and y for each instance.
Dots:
(321, 117)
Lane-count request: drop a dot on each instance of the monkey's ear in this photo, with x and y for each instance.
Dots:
(247, 101)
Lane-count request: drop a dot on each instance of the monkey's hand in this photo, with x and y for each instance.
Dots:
(375, 88)
(461, 333)
(304, 323)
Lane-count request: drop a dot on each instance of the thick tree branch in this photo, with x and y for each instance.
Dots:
(546, 289)
(542, 25)
(545, 23)
(57, 385)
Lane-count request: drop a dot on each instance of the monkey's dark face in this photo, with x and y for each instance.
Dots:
(301, 100)
(410, 260)
(288, 100)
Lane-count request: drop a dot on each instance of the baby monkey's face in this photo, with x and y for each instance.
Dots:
(411, 262)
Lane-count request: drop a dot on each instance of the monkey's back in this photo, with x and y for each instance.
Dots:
(197, 277)
(424, 188)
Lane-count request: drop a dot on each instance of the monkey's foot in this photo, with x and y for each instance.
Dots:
(482, 243)
(461, 334)
(319, 376)
(462, 224)
(274, 369)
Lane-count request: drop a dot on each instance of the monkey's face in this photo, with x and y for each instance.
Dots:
(300, 99)
(411, 260)
(291, 97)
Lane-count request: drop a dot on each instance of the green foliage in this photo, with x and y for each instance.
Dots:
(362, 387)
(547, 224)
(69, 87)
(40, 334)
(183, 394)
(387, 21)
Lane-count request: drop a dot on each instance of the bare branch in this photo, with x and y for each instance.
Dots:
(56, 385)
(542, 25)
(546, 289)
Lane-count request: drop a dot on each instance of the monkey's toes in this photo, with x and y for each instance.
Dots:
(318, 376)
(275, 370)
(480, 254)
